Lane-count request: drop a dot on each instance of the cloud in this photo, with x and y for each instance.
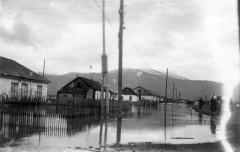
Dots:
(20, 33)
(183, 36)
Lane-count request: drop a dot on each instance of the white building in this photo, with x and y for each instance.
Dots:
(146, 94)
(17, 81)
(129, 95)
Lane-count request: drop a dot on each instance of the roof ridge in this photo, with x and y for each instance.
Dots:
(130, 90)
(13, 69)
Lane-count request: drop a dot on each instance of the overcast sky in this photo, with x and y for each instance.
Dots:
(197, 39)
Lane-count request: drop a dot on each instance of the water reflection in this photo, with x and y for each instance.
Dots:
(154, 126)
(200, 118)
(106, 131)
(119, 130)
(103, 124)
(100, 133)
(17, 127)
(165, 121)
(139, 111)
(141, 124)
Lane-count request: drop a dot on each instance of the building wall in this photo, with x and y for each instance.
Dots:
(98, 95)
(139, 90)
(151, 98)
(90, 94)
(63, 97)
(5, 87)
(145, 95)
(127, 98)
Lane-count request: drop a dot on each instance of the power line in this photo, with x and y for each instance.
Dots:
(130, 37)
(151, 3)
(138, 52)
(133, 42)
(135, 46)
(105, 17)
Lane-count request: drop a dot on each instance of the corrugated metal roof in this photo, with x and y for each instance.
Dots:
(11, 69)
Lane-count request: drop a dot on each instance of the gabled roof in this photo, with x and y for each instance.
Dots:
(12, 69)
(128, 91)
(71, 90)
(152, 93)
(90, 84)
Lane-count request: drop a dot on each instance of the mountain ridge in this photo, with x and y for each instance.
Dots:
(153, 80)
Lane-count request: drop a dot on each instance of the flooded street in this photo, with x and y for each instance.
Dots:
(141, 124)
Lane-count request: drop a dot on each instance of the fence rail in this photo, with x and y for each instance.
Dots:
(64, 108)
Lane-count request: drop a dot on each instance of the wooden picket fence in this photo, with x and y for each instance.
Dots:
(66, 108)
(16, 126)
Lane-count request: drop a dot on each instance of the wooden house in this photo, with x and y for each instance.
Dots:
(146, 94)
(18, 82)
(81, 89)
(129, 95)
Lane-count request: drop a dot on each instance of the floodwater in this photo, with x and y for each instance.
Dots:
(179, 125)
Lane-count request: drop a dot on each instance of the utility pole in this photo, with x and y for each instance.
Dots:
(165, 108)
(166, 85)
(173, 91)
(120, 47)
(239, 44)
(43, 67)
(104, 68)
(179, 95)
(176, 93)
(91, 77)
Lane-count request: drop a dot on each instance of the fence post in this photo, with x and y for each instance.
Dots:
(67, 108)
(56, 104)
(73, 107)
(2, 103)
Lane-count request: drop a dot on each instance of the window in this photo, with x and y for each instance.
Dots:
(79, 85)
(24, 90)
(130, 98)
(39, 91)
(14, 89)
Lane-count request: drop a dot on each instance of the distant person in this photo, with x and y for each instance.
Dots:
(200, 103)
(213, 126)
(213, 105)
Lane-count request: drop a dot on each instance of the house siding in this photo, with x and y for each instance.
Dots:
(82, 89)
(127, 97)
(98, 95)
(151, 98)
(62, 97)
(5, 87)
